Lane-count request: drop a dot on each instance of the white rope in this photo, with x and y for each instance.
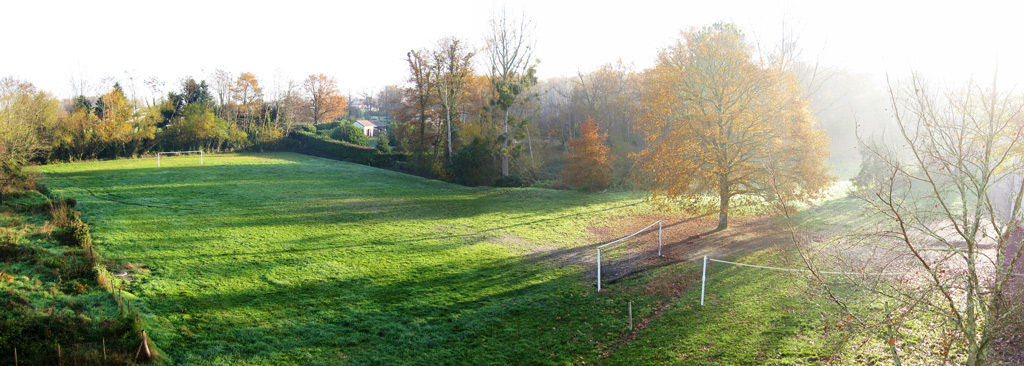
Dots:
(806, 270)
(631, 235)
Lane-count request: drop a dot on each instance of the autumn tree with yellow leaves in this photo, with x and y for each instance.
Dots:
(718, 121)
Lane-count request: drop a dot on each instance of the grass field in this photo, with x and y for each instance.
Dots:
(289, 259)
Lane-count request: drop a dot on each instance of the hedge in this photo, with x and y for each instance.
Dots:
(310, 144)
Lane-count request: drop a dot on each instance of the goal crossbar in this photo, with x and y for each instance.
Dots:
(178, 152)
(619, 240)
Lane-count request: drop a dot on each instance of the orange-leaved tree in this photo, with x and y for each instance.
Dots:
(590, 166)
(719, 122)
(323, 98)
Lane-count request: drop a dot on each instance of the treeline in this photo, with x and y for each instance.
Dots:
(502, 125)
(469, 115)
(233, 115)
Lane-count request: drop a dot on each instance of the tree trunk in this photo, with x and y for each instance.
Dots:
(723, 197)
(504, 147)
(529, 143)
(449, 113)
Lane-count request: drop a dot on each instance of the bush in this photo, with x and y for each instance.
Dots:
(329, 126)
(351, 134)
(75, 235)
(384, 141)
(305, 127)
(474, 164)
(511, 180)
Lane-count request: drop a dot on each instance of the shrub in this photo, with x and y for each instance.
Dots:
(384, 141)
(511, 180)
(61, 213)
(75, 235)
(330, 126)
(9, 243)
(474, 164)
(305, 127)
(351, 134)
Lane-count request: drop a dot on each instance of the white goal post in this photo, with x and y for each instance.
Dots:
(179, 153)
(620, 240)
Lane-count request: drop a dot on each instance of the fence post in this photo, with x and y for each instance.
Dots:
(157, 160)
(200, 157)
(703, 280)
(599, 270)
(659, 238)
(145, 345)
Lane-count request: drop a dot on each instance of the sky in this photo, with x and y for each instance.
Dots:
(363, 44)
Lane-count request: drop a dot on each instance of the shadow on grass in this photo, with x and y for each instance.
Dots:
(437, 319)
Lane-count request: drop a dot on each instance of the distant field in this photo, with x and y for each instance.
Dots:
(289, 259)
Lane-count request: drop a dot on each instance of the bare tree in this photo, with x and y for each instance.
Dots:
(452, 67)
(510, 51)
(948, 202)
(222, 84)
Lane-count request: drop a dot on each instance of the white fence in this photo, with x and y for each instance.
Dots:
(704, 274)
(620, 240)
(179, 152)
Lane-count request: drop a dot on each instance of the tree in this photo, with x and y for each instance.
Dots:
(509, 50)
(716, 121)
(949, 200)
(589, 165)
(452, 67)
(417, 119)
(384, 141)
(115, 115)
(325, 102)
(24, 113)
(249, 96)
(389, 101)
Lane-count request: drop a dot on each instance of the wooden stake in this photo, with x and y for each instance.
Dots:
(137, 352)
(15, 356)
(59, 360)
(104, 349)
(145, 345)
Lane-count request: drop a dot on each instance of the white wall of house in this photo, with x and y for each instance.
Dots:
(367, 130)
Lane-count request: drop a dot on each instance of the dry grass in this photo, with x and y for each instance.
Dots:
(46, 230)
(59, 213)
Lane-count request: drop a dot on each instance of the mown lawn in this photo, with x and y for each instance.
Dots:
(289, 259)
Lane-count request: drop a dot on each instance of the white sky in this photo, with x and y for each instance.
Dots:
(363, 44)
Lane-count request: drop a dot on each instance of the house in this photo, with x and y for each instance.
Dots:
(370, 128)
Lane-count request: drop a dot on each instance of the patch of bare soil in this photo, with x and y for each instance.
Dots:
(684, 238)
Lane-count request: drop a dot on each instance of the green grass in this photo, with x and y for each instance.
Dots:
(289, 259)
(750, 317)
(50, 295)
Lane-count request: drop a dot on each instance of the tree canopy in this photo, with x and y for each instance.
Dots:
(718, 121)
